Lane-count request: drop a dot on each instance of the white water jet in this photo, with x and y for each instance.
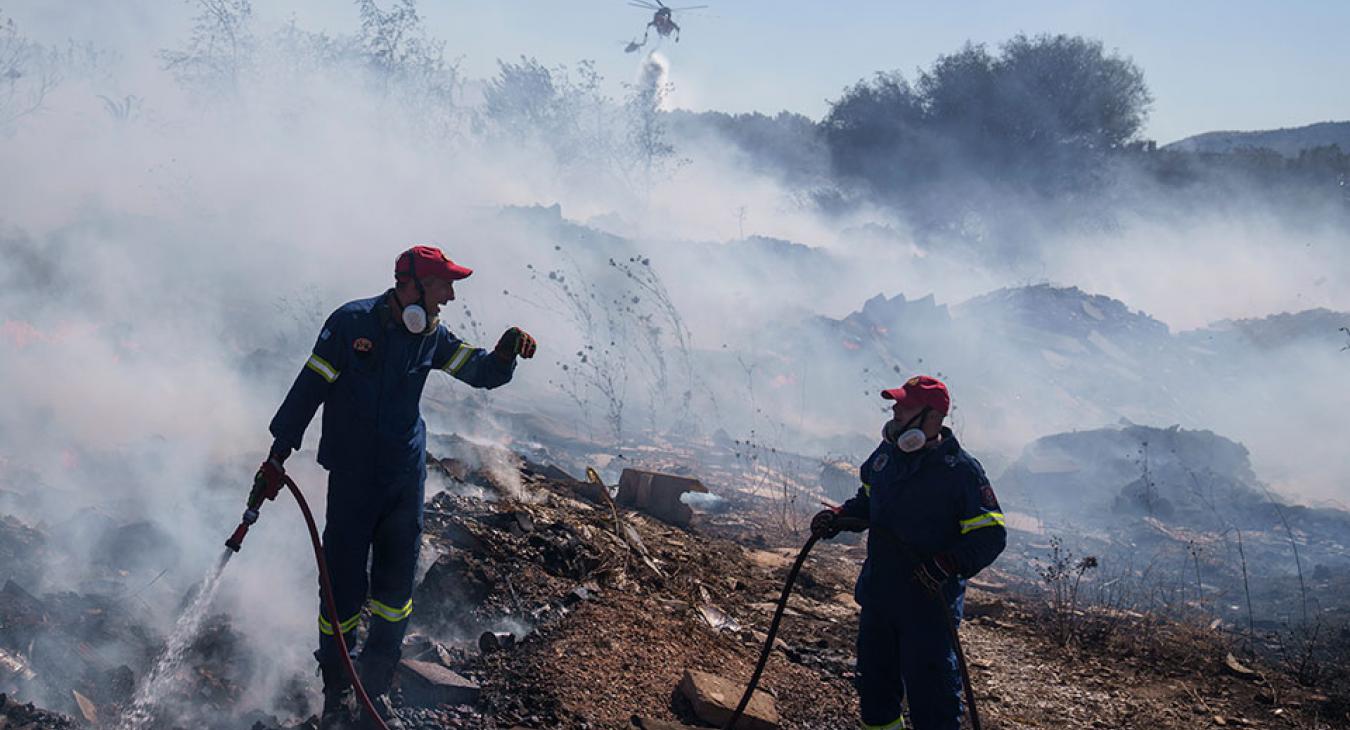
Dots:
(165, 671)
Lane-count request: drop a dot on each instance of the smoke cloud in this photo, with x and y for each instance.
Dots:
(179, 219)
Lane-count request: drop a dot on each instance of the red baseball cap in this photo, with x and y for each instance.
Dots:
(428, 262)
(921, 390)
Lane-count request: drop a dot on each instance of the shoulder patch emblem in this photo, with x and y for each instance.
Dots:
(880, 461)
(325, 334)
(363, 345)
(951, 460)
(987, 498)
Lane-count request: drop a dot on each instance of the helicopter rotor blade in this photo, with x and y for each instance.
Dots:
(691, 7)
(643, 5)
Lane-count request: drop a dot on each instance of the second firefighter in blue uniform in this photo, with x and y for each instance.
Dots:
(933, 521)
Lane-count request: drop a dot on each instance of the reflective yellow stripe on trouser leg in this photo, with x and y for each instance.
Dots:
(897, 724)
(389, 613)
(326, 626)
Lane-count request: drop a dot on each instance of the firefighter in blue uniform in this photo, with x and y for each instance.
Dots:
(933, 521)
(368, 368)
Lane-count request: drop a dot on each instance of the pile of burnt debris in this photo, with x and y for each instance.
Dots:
(508, 573)
(575, 604)
(81, 655)
(46, 645)
(22, 716)
(1136, 496)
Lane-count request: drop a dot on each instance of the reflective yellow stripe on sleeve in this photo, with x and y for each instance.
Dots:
(389, 613)
(326, 626)
(458, 359)
(988, 519)
(322, 367)
(867, 489)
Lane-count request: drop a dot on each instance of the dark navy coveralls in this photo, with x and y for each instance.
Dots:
(368, 371)
(936, 500)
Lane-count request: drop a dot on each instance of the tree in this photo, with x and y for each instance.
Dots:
(398, 48)
(562, 109)
(960, 94)
(1067, 90)
(220, 48)
(565, 113)
(883, 116)
(522, 98)
(1039, 114)
(28, 72)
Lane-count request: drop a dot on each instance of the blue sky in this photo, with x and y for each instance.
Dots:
(1211, 65)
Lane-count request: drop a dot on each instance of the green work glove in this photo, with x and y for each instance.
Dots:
(515, 341)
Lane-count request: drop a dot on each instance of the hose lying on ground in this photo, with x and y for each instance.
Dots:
(773, 632)
(846, 523)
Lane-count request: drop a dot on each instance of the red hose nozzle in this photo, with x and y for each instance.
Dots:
(236, 540)
(267, 484)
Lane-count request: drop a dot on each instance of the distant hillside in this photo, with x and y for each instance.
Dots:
(1287, 142)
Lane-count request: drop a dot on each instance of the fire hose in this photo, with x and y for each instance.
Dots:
(255, 500)
(851, 525)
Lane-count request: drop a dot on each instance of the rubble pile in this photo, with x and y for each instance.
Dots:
(1136, 495)
(80, 654)
(1185, 476)
(78, 658)
(1272, 332)
(65, 650)
(574, 610)
(25, 716)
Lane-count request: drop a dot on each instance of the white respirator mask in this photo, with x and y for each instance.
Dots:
(415, 318)
(911, 440)
(415, 315)
(906, 437)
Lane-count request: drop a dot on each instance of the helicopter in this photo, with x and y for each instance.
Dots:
(662, 20)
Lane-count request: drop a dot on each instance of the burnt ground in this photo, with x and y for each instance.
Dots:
(621, 651)
(607, 614)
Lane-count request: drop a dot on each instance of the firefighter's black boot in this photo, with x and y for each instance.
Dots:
(337, 698)
(377, 674)
(337, 693)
